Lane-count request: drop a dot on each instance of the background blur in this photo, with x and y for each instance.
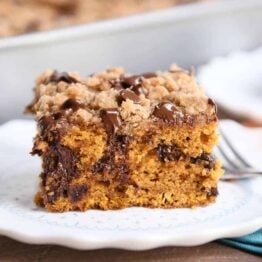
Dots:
(40, 34)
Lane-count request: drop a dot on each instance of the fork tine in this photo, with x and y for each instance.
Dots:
(236, 154)
(225, 156)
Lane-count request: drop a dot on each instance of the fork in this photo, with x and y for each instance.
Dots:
(235, 166)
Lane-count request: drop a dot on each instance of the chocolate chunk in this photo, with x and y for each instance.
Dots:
(111, 119)
(57, 77)
(140, 90)
(72, 103)
(58, 115)
(114, 161)
(212, 192)
(149, 75)
(120, 143)
(128, 94)
(212, 103)
(103, 164)
(54, 126)
(36, 151)
(116, 84)
(210, 159)
(76, 192)
(168, 152)
(131, 81)
(167, 111)
(59, 164)
(45, 122)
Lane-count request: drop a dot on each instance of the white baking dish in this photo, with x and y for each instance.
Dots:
(187, 35)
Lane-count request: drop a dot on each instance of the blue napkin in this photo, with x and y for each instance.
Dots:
(251, 243)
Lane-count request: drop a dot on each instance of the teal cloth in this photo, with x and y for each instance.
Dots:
(251, 243)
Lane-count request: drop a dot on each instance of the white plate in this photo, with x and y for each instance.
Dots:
(235, 81)
(238, 209)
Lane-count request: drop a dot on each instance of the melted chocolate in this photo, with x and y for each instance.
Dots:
(116, 83)
(48, 126)
(210, 159)
(114, 161)
(131, 81)
(59, 164)
(73, 104)
(63, 76)
(45, 122)
(128, 94)
(212, 192)
(76, 192)
(134, 83)
(173, 153)
(111, 119)
(168, 152)
(140, 90)
(167, 111)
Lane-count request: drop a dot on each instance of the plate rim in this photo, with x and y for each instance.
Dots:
(129, 241)
(135, 243)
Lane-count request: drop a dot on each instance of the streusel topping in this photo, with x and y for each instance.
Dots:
(135, 97)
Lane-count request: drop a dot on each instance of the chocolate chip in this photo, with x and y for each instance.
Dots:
(111, 119)
(167, 111)
(36, 151)
(212, 103)
(72, 103)
(58, 115)
(128, 94)
(45, 121)
(59, 168)
(212, 192)
(140, 90)
(210, 159)
(149, 75)
(57, 77)
(168, 152)
(131, 81)
(114, 161)
(116, 83)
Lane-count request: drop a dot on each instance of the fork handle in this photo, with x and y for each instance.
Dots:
(243, 171)
(230, 176)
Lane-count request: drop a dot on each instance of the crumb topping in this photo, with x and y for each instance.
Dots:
(169, 94)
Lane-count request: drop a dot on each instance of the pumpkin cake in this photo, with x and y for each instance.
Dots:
(114, 140)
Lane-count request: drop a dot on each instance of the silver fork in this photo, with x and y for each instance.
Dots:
(235, 166)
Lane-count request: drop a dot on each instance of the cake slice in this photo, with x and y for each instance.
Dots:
(114, 140)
